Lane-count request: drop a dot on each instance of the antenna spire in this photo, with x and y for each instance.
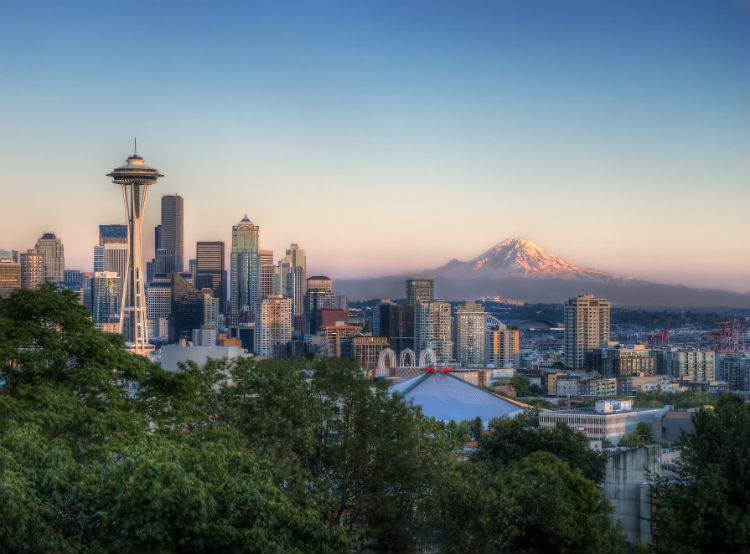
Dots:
(135, 146)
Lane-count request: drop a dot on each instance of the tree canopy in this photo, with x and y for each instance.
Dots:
(100, 450)
(705, 507)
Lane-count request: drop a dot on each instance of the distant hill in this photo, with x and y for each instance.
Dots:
(519, 269)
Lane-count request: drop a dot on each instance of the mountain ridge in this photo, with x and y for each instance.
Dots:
(518, 268)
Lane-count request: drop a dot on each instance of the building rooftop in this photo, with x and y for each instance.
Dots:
(445, 397)
(113, 231)
(592, 411)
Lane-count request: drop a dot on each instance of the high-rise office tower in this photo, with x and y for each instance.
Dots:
(106, 291)
(54, 257)
(159, 300)
(502, 346)
(187, 309)
(294, 282)
(157, 237)
(470, 327)
(320, 282)
(111, 257)
(267, 270)
(134, 177)
(166, 261)
(172, 228)
(33, 273)
(273, 331)
(210, 310)
(245, 267)
(10, 277)
(210, 271)
(74, 276)
(586, 327)
(113, 234)
(432, 328)
(396, 322)
(319, 296)
(419, 290)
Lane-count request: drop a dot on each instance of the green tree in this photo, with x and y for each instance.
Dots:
(705, 507)
(535, 504)
(513, 439)
(641, 435)
(102, 451)
(521, 384)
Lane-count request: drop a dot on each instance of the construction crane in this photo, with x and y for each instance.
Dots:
(661, 338)
(730, 338)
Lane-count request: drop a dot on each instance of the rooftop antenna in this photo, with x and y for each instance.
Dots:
(135, 146)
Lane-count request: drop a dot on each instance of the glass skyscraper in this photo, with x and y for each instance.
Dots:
(245, 267)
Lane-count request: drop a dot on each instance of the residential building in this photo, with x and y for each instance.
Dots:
(275, 329)
(698, 365)
(419, 290)
(615, 360)
(33, 271)
(10, 277)
(470, 327)
(586, 327)
(735, 370)
(432, 329)
(502, 346)
(54, 257)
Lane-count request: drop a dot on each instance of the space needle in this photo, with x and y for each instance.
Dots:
(134, 177)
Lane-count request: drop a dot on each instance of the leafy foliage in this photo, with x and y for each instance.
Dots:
(705, 508)
(103, 451)
(681, 400)
(641, 435)
(511, 440)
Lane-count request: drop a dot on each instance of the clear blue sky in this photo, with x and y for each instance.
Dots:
(391, 135)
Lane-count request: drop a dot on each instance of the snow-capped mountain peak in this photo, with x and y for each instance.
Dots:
(522, 257)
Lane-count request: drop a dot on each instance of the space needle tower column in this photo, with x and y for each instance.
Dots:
(134, 177)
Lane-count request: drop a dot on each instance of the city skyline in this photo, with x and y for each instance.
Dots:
(613, 135)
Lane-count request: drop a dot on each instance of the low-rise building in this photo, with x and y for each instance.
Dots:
(173, 354)
(698, 365)
(365, 349)
(615, 360)
(627, 485)
(735, 370)
(609, 419)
